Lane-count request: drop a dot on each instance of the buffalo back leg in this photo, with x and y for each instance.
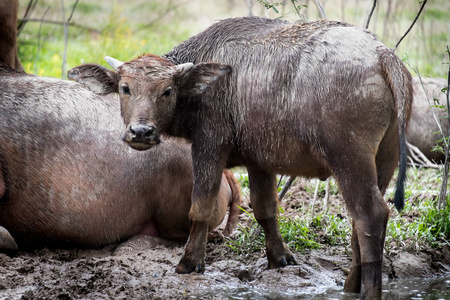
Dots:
(386, 162)
(356, 175)
(353, 281)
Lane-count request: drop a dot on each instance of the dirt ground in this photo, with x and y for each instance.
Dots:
(143, 268)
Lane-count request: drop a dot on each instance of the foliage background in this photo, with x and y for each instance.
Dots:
(125, 29)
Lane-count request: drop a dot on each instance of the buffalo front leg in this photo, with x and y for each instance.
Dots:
(264, 200)
(207, 179)
(193, 259)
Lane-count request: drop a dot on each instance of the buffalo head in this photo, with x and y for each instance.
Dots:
(151, 89)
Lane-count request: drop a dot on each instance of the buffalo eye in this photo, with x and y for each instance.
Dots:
(167, 92)
(125, 89)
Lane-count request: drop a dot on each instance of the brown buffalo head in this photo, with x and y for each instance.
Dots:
(149, 88)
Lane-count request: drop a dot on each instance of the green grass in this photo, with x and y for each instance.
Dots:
(41, 47)
(422, 225)
(419, 227)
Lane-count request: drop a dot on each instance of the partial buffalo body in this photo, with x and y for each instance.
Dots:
(67, 178)
(422, 126)
(314, 99)
(8, 33)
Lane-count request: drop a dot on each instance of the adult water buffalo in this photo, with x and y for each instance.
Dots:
(422, 125)
(67, 179)
(314, 99)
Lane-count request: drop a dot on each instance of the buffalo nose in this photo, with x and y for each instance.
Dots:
(142, 131)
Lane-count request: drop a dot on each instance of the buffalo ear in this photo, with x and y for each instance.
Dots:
(197, 79)
(95, 78)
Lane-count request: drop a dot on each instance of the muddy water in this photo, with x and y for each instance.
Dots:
(436, 288)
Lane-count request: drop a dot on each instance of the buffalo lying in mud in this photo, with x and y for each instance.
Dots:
(422, 127)
(67, 179)
(314, 99)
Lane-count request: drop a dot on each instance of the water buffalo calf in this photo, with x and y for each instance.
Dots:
(422, 127)
(314, 99)
(67, 179)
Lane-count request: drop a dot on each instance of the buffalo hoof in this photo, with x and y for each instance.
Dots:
(185, 268)
(7, 243)
(353, 281)
(282, 262)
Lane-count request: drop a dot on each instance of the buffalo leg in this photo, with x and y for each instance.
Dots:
(207, 179)
(193, 259)
(353, 281)
(370, 215)
(264, 202)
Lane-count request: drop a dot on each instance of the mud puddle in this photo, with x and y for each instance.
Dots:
(436, 288)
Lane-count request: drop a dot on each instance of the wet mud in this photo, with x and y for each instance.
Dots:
(143, 268)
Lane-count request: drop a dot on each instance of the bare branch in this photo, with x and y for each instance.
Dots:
(434, 114)
(448, 91)
(286, 187)
(443, 194)
(73, 10)
(410, 27)
(169, 8)
(22, 22)
(313, 204)
(83, 27)
(39, 43)
(323, 15)
(417, 158)
(371, 13)
(326, 198)
(66, 35)
(297, 11)
(250, 7)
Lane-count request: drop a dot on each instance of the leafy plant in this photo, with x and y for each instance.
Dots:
(421, 225)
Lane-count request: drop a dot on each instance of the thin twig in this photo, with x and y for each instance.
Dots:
(443, 193)
(66, 34)
(429, 104)
(250, 7)
(326, 198)
(323, 15)
(313, 204)
(286, 187)
(417, 158)
(22, 22)
(297, 11)
(66, 37)
(72, 24)
(410, 27)
(73, 10)
(39, 43)
(169, 8)
(371, 12)
(387, 18)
